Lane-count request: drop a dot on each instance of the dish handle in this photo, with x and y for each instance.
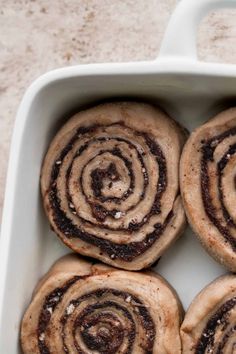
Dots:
(180, 37)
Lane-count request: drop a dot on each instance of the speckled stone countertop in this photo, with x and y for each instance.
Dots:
(40, 35)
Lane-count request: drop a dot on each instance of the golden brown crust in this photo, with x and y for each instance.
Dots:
(110, 183)
(120, 311)
(207, 186)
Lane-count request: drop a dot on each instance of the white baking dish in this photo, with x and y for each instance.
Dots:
(189, 90)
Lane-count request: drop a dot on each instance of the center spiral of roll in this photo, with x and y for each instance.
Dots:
(105, 176)
(102, 188)
(104, 331)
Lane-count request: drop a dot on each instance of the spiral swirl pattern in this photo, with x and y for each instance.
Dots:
(210, 322)
(97, 309)
(110, 184)
(208, 185)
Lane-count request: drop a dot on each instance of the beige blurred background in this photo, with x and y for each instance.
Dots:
(40, 35)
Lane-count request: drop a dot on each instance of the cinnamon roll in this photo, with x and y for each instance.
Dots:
(80, 307)
(110, 183)
(210, 322)
(207, 178)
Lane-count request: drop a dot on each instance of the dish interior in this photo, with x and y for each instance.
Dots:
(190, 99)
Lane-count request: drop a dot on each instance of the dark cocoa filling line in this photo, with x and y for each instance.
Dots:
(226, 337)
(117, 152)
(97, 177)
(86, 319)
(154, 148)
(50, 303)
(124, 252)
(99, 212)
(208, 149)
(206, 340)
(161, 162)
(220, 167)
(106, 340)
(110, 342)
(68, 147)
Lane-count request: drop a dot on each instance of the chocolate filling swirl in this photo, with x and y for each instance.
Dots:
(207, 180)
(66, 226)
(112, 187)
(100, 325)
(83, 307)
(209, 325)
(224, 223)
(219, 322)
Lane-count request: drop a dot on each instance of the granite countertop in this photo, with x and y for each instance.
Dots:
(37, 36)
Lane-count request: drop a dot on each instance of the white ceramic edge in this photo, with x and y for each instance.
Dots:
(166, 64)
(158, 66)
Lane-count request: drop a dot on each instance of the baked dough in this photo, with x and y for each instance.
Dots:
(207, 179)
(80, 307)
(210, 322)
(110, 183)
